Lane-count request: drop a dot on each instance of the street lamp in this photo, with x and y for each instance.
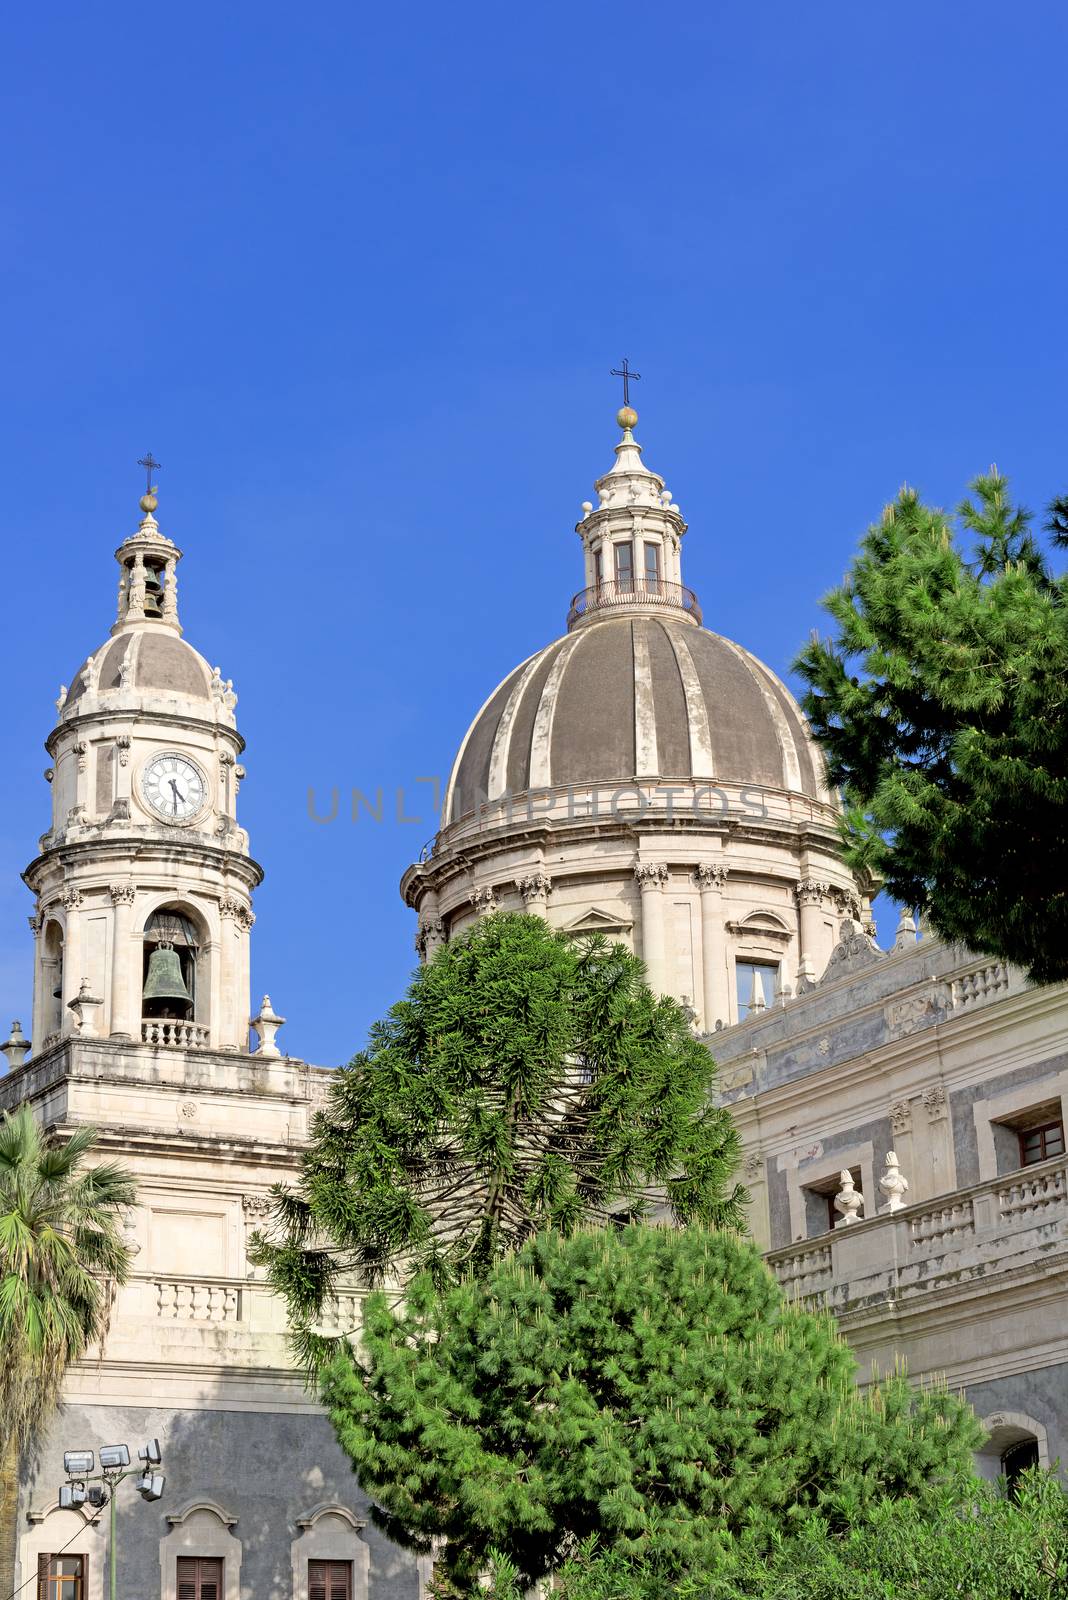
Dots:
(100, 1491)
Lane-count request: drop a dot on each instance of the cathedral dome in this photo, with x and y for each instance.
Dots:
(636, 697)
(144, 660)
(644, 778)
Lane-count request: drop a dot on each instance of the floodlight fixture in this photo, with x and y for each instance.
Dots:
(66, 1497)
(150, 1454)
(97, 1495)
(78, 1495)
(150, 1486)
(113, 1456)
(78, 1463)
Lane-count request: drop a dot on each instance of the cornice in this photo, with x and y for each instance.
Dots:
(112, 846)
(133, 716)
(881, 1063)
(452, 858)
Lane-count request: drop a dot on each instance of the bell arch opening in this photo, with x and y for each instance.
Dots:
(173, 980)
(52, 978)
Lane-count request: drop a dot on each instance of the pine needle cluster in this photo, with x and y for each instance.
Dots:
(941, 705)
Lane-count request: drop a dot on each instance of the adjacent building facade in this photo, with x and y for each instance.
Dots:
(902, 1112)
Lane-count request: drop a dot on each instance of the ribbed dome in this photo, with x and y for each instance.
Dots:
(636, 697)
(160, 661)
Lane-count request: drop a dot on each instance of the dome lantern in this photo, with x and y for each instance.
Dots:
(632, 542)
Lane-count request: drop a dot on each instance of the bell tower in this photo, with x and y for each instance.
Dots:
(143, 882)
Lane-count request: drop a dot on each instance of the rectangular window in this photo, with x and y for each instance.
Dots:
(329, 1580)
(624, 555)
(200, 1578)
(755, 981)
(1039, 1144)
(652, 568)
(61, 1577)
(598, 568)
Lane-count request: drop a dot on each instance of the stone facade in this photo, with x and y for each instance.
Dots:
(944, 1059)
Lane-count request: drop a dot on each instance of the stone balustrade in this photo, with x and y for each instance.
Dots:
(984, 983)
(175, 1034)
(197, 1300)
(1002, 1226)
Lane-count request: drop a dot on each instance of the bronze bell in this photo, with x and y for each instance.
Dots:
(153, 593)
(164, 980)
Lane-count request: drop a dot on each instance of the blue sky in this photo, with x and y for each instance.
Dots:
(357, 277)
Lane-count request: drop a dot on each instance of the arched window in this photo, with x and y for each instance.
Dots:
(172, 946)
(1016, 1460)
(1015, 1442)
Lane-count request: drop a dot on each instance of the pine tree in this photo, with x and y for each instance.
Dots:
(941, 705)
(525, 1081)
(648, 1387)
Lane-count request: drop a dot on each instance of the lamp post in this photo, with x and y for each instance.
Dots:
(99, 1489)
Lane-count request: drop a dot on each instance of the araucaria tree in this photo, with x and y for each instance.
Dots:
(526, 1081)
(61, 1254)
(648, 1386)
(942, 706)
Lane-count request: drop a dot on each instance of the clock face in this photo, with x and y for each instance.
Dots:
(174, 787)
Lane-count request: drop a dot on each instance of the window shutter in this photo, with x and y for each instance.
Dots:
(317, 1580)
(210, 1580)
(83, 1579)
(187, 1578)
(43, 1564)
(340, 1575)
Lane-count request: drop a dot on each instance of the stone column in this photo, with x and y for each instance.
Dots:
(651, 880)
(38, 1021)
(430, 937)
(535, 889)
(716, 1005)
(72, 958)
(810, 897)
(124, 1025)
(229, 1026)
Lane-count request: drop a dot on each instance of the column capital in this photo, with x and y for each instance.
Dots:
(484, 900)
(711, 875)
(70, 897)
(235, 909)
(651, 875)
(811, 891)
(430, 934)
(122, 894)
(534, 886)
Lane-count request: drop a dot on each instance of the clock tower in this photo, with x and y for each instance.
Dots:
(144, 878)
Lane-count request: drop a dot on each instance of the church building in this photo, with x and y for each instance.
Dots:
(901, 1111)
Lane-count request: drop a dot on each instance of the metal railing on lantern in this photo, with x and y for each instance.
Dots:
(613, 595)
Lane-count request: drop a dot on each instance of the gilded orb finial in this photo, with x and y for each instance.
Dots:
(148, 501)
(627, 417)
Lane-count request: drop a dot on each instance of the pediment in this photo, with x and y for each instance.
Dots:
(761, 924)
(596, 920)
